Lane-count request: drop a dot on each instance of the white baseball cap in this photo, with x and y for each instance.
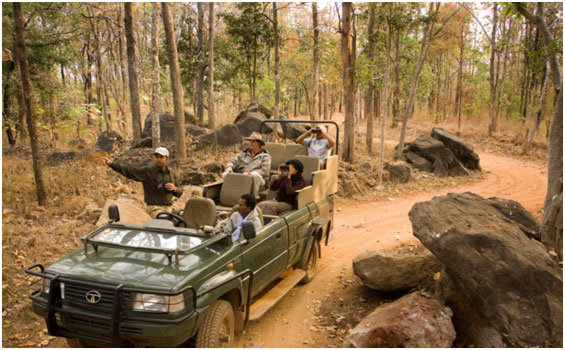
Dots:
(162, 151)
(323, 128)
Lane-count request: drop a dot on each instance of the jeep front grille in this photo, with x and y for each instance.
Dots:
(78, 294)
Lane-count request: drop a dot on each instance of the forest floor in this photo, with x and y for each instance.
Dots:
(318, 314)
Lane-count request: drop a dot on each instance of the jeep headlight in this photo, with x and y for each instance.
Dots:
(158, 303)
(45, 284)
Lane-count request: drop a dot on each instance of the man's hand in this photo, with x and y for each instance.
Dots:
(245, 173)
(229, 169)
(170, 186)
(106, 161)
(279, 173)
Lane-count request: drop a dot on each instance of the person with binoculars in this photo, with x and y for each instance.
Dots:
(319, 143)
(160, 183)
(288, 180)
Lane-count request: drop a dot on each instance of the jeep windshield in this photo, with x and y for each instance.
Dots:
(145, 239)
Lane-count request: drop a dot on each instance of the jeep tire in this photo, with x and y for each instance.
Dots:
(309, 262)
(217, 329)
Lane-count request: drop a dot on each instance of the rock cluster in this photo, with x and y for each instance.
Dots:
(484, 262)
(443, 153)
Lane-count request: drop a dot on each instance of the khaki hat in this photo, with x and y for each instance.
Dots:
(256, 137)
(162, 151)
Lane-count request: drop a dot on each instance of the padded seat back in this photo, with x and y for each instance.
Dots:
(311, 164)
(233, 187)
(276, 150)
(293, 150)
(199, 212)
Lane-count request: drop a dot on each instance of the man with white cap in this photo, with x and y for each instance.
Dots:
(159, 182)
(254, 161)
(320, 144)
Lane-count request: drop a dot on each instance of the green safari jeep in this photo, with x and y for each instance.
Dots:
(161, 285)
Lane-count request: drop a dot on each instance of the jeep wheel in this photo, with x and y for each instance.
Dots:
(218, 327)
(309, 263)
(77, 343)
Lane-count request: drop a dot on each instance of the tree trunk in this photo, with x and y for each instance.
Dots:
(133, 87)
(123, 68)
(428, 36)
(155, 81)
(371, 86)
(396, 99)
(384, 103)
(492, 80)
(99, 70)
(503, 76)
(28, 101)
(552, 224)
(200, 82)
(211, 117)
(22, 127)
(315, 63)
(277, 65)
(458, 95)
(326, 101)
(533, 119)
(176, 86)
(348, 82)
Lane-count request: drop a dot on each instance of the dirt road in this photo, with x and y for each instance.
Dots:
(380, 226)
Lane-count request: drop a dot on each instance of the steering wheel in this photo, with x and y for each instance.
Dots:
(177, 220)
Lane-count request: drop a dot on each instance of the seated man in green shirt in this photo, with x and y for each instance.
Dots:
(160, 184)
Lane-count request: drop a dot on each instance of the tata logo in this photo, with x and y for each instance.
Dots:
(93, 297)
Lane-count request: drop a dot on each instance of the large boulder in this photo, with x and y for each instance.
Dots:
(251, 123)
(416, 320)
(253, 107)
(167, 125)
(510, 280)
(419, 163)
(292, 130)
(396, 270)
(469, 325)
(517, 213)
(399, 172)
(56, 158)
(443, 161)
(461, 150)
(109, 141)
(226, 136)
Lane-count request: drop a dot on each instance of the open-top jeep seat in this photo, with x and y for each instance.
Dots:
(281, 153)
(199, 212)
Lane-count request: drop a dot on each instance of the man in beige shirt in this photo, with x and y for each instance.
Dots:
(254, 161)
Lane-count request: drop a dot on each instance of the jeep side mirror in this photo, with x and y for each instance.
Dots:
(248, 230)
(113, 213)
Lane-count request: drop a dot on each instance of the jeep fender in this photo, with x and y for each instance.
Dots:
(313, 231)
(205, 300)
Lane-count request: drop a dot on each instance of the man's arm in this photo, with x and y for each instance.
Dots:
(234, 163)
(331, 140)
(131, 172)
(301, 138)
(229, 225)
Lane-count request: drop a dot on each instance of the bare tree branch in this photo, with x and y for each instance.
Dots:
(477, 20)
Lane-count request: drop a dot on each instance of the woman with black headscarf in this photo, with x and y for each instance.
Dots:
(286, 183)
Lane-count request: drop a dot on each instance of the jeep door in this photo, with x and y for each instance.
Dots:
(266, 254)
(297, 222)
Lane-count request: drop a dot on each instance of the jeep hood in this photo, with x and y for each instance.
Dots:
(136, 268)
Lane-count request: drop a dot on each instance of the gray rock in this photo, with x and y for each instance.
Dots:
(462, 150)
(443, 160)
(517, 213)
(196, 178)
(416, 320)
(292, 130)
(396, 270)
(109, 141)
(419, 163)
(471, 329)
(251, 123)
(213, 167)
(57, 158)
(399, 172)
(509, 279)
(226, 136)
(144, 142)
(167, 125)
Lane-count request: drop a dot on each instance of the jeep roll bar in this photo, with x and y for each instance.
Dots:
(302, 121)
